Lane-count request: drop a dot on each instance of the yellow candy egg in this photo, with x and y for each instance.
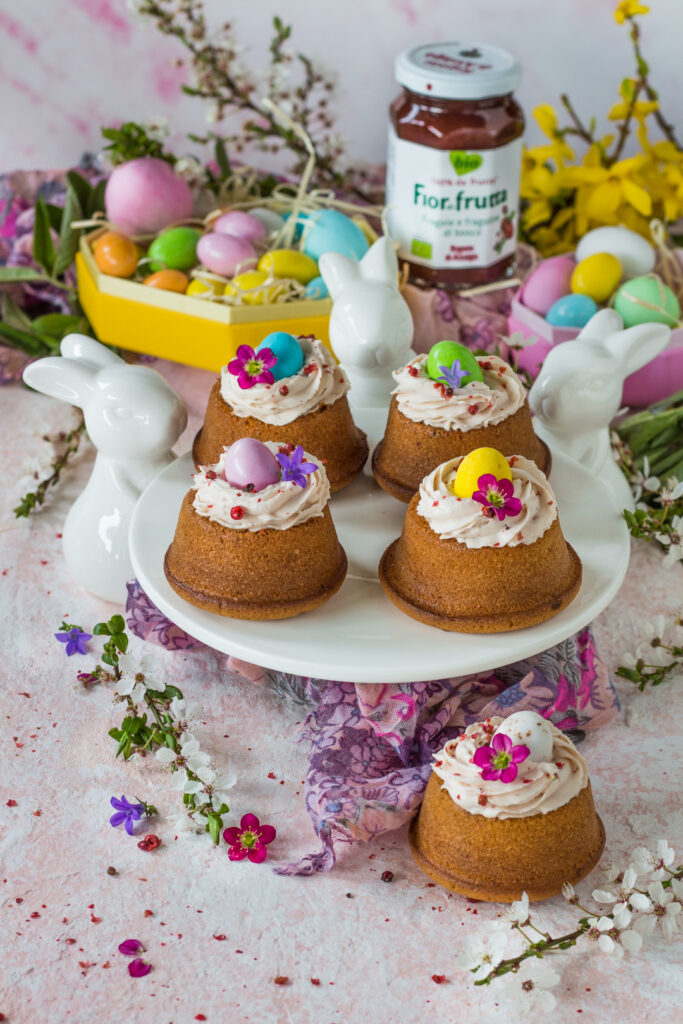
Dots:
(597, 276)
(167, 280)
(289, 263)
(477, 464)
(244, 285)
(200, 287)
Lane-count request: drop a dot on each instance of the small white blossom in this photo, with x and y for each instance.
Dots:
(486, 953)
(671, 492)
(623, 893)
(130, 687)
(650, 649)
(665, 908)
(186, 715)
(517, 340)
(517, 912)
(646, 863)
(216, 791)
(644, 481)
(613, 935)
(184, 784)
(527, 990)
(673, 541)
(569, 892)
(157, 128)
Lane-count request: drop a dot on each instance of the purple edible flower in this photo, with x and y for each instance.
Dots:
(454, 375)
(497, 497)
(138, 968)
(252, 367)
(75, 640)
(293, 468)
(500, 760)
(125, 812)
(130, 947)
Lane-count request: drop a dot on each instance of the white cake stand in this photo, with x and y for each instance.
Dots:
(359, 635)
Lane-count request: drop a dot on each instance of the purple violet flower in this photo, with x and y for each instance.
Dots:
(252, 367)
(131, 947)
(138, 968)
(126, 812)
(293, 468)
(75, 640)
(454, 376)
(500, 760)
(497, 497)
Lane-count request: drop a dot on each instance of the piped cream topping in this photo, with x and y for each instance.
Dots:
(464, 519)
(319, 382)
(277, 507)
(540, 786)
(478, 404)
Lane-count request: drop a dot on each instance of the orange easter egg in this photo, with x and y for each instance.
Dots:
(169, 280)
(116, 254)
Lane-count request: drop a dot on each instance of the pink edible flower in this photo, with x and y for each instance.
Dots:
(500, 760)
(249, 840)
(252, 367)
(497, 497)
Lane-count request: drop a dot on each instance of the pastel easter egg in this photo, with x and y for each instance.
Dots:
(201, 288)
(572, 311)
(248, 463)
(175, 249)
(242, 224)
(145, 195)
(316, 289)
(168, 280)
(598, 276)
(115, 254)
(332, 231)
(646, 300)
(547, 283)
(287, 350)
(529, 729)
(301, 219)
(444, 353)
(248, 286)
(478, 463)
(271, 220)
(289, 263)
(634, 252)
(226, 255)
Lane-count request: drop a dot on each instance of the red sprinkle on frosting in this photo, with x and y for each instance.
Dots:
(236, 512)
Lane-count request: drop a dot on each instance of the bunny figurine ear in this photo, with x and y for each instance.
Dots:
(380, 262)
(61, 378)
(601, 325)
(87, 350)
(638, 345)
(337, 271)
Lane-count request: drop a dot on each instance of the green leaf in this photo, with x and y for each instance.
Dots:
(223, 809)
(81, 188)
(214, 827)
(120, 640)
(116, 624)
(222, 160)
(132, 726)
(16, 275)
(108, 660)
(629, 673)
(43, 249)
(96, 203)
(32, 344)
(68, 236)
(14, 315)
(55, 214)
(115, 734)
(124, 743)
(57, 325)
(173, 691)
(101, 629)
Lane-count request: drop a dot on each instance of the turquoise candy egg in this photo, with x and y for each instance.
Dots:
(444, 353)
(332, 231)
(571, 311)
(175, 249)
(287, 351)
(300, 222)
(316, 289)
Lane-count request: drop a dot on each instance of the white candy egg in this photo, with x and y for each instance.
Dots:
(271, 220)
(634, 252)
(531, 730)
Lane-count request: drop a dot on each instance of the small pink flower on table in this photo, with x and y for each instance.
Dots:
(500, 759)
(249, 840)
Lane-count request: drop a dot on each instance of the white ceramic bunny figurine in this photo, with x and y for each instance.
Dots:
(578, 392)
(133, 417)
(371, 327)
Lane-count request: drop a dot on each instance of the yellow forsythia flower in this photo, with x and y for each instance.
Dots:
(628, 9)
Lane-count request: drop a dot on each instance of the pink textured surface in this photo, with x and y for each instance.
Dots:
(374, 953)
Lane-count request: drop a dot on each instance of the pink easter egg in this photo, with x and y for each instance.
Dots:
(249, 463)
(226, 255)
(144, 195)
(242, 224)
(547, 283)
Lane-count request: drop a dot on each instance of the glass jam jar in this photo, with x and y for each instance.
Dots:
(455, 150)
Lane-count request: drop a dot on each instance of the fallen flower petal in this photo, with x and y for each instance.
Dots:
(138, 968)
(150, 842)
(129, 947)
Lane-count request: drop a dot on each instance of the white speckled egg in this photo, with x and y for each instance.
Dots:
(532, 730)
(634, 252)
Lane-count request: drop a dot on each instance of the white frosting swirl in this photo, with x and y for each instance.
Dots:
(475, 405)
(464, 519)
(304, 392)
(277, 507)
(540, 786)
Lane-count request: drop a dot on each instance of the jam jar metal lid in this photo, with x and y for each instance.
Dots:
(458, 70)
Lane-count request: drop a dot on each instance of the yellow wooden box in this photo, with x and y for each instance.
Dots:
(180, 327)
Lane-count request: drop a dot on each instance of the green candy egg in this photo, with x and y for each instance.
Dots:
(444, 353)
(175, 249)
(646, 300)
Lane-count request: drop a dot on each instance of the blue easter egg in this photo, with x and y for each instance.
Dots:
(300, 223)
(316, 289)
(332, 231)
(571, 311)
(286, 350)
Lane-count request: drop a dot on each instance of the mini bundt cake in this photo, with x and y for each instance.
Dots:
(255, 539)
(508, 809)
(482, 550)
(288, 390)
(439, 411)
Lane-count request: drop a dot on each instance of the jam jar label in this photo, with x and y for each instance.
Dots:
(453, 208)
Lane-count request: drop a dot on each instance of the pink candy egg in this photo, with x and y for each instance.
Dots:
(547, 283)
(225, 254)
(144, 195)
(242, 224)
(249, 463)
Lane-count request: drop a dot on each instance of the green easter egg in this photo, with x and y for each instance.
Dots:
(175, 249)
(444, 353)
(646, 300)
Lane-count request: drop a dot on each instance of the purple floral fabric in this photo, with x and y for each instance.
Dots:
(371, 747)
